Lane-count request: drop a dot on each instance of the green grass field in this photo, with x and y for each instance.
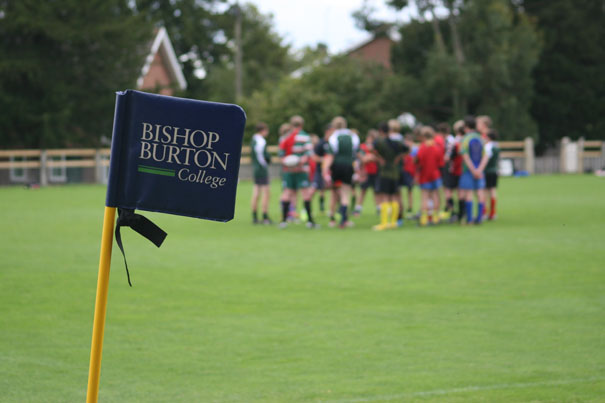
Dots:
(509, 311)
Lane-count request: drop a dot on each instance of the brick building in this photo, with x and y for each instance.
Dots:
(377, 49)
(161, 72)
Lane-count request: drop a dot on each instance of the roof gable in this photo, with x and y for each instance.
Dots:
(162, 44)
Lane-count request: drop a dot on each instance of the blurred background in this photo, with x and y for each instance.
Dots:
(535, 66)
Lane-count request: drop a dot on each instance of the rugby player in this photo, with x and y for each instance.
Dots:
(260, 164)
(472, 179)
(297, 142)
(338, 166)
(389, 153)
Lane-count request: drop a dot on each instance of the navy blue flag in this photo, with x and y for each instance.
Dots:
(172, 155)
(175, 155)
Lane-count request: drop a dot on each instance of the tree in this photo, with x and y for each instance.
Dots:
(505, 47)
(196, 32)
(357, 90)
(477, 59)
(265, 58)
(569, 82)
(60, 64)
(203, 37)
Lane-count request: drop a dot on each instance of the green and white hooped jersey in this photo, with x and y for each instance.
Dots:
(492, 149)
(259, 155)
(344, 145)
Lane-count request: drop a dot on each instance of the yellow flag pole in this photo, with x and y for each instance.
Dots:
(98, 327)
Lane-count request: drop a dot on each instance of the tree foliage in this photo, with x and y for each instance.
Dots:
(193, 27)
(569, 78)
(360, 91)
(505, 49)
(62, 61)
(60, 64)
(477, 59)
(265, 58)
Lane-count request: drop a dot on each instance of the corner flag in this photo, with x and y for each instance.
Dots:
(169, 155)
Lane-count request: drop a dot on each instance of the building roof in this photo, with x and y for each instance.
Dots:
(392, 34)
(162, 44)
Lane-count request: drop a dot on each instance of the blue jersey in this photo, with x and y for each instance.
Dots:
(473, 146)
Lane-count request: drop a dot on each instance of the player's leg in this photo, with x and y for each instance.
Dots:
(410, 198)
(307, 194)
(383, 198)
(399, 200)
(362, 195)
(345, 199)
(461, 197)
(354, 195)
(467, 185)
(335, 196)
(286, 196)
(492, 207)
(480, 201)
(493, 184)
(292, 213)
(437, 200)
(374, 196)
(449, 200)
(266, 195)
(254, 203)
(424, 205)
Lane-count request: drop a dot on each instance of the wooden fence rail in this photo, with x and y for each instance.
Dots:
(45, 160)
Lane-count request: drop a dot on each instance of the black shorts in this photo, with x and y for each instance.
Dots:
(401, 181)
(408, 180)
(444, 171)
(452, 181)
(318, 180)
(342, 173)
(371, 182)
(387, 186)
(261, 180)
(491, 180)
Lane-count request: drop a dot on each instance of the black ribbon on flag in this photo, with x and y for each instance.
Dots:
(140, 224)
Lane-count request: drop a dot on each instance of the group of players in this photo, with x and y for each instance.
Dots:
(461, 165)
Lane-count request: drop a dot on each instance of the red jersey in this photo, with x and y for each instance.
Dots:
(312, 169)
(371, 167)
(440, 142)
(409, 165)
(430, 158)
(456, 161)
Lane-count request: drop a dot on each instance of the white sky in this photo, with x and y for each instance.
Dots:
(307, 22)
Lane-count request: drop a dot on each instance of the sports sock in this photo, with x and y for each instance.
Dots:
(469, 211)
(254, 216)
(285, 209)
(461, 209)
(384, 213)
(480, 211)
(308, 209)
(450, 204)
(492, 208)
(424, 218)
(265, 216)
(353, 200)
(321, 203)
(343, 214)
(394, 212)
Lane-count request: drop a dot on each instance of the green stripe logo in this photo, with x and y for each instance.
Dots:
(155, 171)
